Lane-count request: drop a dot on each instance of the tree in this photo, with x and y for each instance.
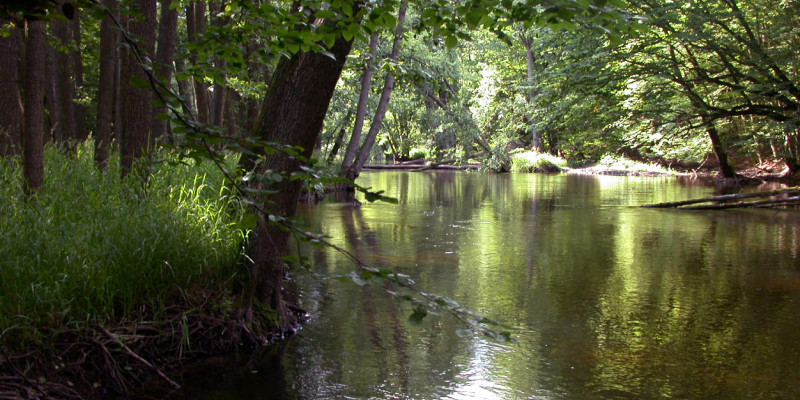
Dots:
(33, 139)
(107, 88)
(10, 100)
(137, 109)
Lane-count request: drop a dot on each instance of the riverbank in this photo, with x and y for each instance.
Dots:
(106, 283)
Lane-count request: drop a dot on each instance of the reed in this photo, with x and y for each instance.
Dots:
(89, 248)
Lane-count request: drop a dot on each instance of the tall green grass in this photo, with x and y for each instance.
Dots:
(89, 248)
(532, 161)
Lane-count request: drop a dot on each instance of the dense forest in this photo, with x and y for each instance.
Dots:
(143, 138)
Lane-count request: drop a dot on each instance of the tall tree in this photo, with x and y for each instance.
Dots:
(137, 111)
(109, 67)
(386, 94)
(65, 127)
(33, 142)
(361, 109)
(165, 55)
(10, 100)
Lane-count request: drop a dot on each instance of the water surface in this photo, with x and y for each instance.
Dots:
(610, 301)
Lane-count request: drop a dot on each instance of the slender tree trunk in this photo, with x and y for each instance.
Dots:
(220, 94)
(361, 110)
(196, 26)
(337, 142)
(106, 89)
(65, 129)
(33, 143)
(536, 134)
(10, 100)
(185, 89)
(725, 168)
(292, 114)
(165, 55)
(54, 114)
(138, 111)
(383, 104)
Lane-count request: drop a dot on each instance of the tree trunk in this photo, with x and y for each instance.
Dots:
(107, 88)
(725, 168)
(65, 130)
(292, 114)
(361, 110)
(33, 143)
(383, 104)
(138, 111)
(165, 54)
(10, 100)
(536, 134)
(196, 26)
(337, 142)
(76, 68)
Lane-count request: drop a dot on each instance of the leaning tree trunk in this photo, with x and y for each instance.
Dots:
(10, 101)
(292, 114)
(725, 168)
(137, 113)
(33, 140)
(377, 122)
(361, 110)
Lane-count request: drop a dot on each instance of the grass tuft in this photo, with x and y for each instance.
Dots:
(91, 249)
(532, 161)
(617, 162)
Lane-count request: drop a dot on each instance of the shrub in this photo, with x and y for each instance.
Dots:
(532, 161)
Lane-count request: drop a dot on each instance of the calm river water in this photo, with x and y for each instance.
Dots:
(609, 301)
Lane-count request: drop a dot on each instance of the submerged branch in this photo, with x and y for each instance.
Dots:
(722, 202)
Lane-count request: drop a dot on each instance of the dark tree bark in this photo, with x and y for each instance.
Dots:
(292, 114)
(383, 104)
(361, 109)
(76, 69)
(10, 100)
(105, 94)
(65, 129)
(220, 93)
(138, 111)
(165, 55)
(33, 143)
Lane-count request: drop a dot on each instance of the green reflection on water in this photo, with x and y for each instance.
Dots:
(612, 301)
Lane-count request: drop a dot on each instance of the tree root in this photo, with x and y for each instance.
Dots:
(95, 362)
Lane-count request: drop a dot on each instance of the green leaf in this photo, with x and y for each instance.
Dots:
(248, 222)
(451, 41)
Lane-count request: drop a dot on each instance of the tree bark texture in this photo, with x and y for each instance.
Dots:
(10, 100)
(292, 114)
(536, 134)
(105, 94)
(165, 55)
(361, 109)
(383, 103)
(65, 129)
(138, 111)
(33, 142)
(76, 69)
(725, 168)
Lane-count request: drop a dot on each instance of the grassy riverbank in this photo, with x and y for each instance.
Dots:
(92, 259)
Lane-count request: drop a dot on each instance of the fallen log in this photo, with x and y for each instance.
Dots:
(788, 196)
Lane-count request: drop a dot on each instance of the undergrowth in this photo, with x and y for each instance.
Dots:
(617, 162)
(90, 249)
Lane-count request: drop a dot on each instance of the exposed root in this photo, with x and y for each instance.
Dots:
(95, 362)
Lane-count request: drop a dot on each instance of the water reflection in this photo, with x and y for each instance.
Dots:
(611, 301)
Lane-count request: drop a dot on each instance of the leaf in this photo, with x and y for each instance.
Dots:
(248, 222)
(451, 41)
(418, 315)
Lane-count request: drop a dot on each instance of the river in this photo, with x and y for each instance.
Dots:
(607, 300)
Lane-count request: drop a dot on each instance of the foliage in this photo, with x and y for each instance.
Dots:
(621, 163)
(91, 249)
(532, 161)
